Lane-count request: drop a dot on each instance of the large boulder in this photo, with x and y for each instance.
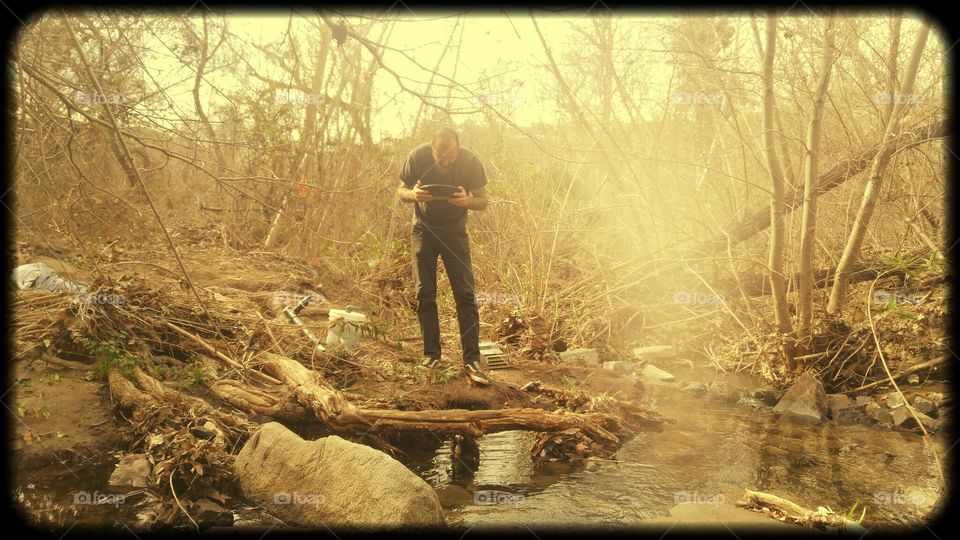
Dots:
(805, 400)
(331, 482)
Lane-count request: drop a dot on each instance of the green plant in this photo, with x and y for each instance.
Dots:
(199, 377)
(850, 513)
(892, 309)
(108, 355)
(50, 378)
(441, 376)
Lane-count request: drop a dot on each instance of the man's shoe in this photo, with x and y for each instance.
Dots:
(476, 374)
(429, 363)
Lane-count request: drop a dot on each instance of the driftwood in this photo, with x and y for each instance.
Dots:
(310, 391)
(785, 510)
(304, 396)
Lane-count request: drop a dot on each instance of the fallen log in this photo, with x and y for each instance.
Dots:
(759, 284)
(745, 228)
(329, 406)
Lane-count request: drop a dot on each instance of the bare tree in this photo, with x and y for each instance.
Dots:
(871, 193)
(808, 226)
(777, 234)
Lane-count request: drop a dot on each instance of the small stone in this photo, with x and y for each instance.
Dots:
(619, 366)
(863, 401)
(653, 372)
(930, 424)
(750, 402)
(913, 379)
(805, 400)
(765, 396)
(837, 403)
(583, 357)
(936, 398)
(655, 351)
(873, 409)
(924, 405)
(849, 416)
(894, 400)
(894, 417)
(720, 388)
(694, 387)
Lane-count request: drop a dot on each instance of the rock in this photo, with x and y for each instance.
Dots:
(582, 357)
(837, 403)
(765, 396)
(936, 397)
(619, 366)
(133, 470)
(332, 483)
(896, 417)
(894, 400)
(210, 514)
(751, 402)
(805, 400)
(850, 415)
(655, 351)
(694, 387)
(873, 410)
(924, 405)
(863, 401)
(930, 424)
(913, 379)
(719, 388)
(651, 371)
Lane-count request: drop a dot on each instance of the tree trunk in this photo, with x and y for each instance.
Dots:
(872, 192)
(808, 227)
(777, 234)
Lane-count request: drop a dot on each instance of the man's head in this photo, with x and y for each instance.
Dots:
(445, 145)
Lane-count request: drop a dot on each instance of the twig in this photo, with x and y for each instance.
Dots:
(233, 363)
(883, 361)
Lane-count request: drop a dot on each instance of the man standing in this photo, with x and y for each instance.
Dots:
(440, 229)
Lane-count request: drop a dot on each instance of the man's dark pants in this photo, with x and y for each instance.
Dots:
(454, 249)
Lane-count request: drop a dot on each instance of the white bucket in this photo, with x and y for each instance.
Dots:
(344, 328)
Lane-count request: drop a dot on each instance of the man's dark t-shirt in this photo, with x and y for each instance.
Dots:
(466, 171)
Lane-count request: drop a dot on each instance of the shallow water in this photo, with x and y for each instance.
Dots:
(711, 453)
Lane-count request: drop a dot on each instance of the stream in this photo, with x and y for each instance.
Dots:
(710, 453)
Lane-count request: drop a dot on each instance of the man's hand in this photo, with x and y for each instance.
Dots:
(420, 194)
(460, 198)
(414, 194)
